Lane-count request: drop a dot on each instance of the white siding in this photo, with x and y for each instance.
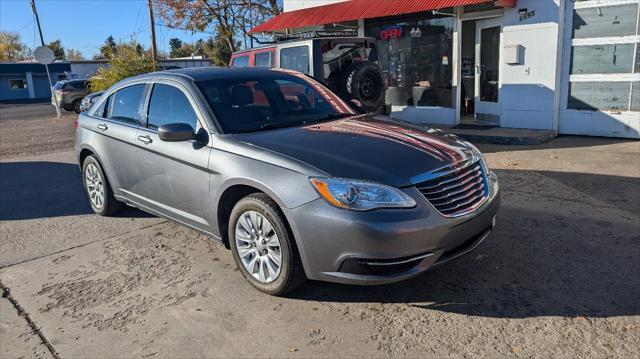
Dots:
(528, 89)
(291, 5)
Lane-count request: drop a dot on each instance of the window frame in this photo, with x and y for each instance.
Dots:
(308, 44)
(247, 55)
(271, 51)
(24, 81)
(187, 94)
(111, 103)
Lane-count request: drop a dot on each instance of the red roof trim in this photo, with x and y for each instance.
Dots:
(361, 9)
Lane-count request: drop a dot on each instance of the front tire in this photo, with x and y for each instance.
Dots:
(263, 247)
(98, 189)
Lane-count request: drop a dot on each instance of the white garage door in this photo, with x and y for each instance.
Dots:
(602, 72)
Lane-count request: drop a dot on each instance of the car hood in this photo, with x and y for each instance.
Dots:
(368, 147)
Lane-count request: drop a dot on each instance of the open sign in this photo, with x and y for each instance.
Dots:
(391, 32)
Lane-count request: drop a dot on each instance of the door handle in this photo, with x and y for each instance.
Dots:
(145, 139)
(102, 127)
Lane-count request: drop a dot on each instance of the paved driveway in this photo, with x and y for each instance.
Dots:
(559, 277)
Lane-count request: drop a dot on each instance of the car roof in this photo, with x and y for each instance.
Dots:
(72, 80)
(289, 41)
(208, 73)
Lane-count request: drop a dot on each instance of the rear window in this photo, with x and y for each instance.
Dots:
(295, 58)
(240, 61)
(58, 86)
(264, 59)
(77, 85)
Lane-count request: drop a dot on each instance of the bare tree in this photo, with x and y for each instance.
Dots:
(229, 19)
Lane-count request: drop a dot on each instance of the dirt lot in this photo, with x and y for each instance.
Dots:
(559, 277)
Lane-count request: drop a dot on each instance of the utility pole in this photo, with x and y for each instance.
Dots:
(46, 67)
(250, 22)
(153, 34)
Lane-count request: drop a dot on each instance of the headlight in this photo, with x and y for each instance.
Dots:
(480, 156)
(360, 195)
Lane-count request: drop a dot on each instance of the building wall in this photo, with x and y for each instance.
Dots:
(86, 69)
(529, 88)
(6, 93)
(41, 85)
(291, 5)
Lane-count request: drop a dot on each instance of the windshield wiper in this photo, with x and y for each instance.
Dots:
(269, 125)
(282, 124)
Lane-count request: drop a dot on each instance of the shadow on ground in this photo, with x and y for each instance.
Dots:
(566, 244)
(31, 190)
(560, 142)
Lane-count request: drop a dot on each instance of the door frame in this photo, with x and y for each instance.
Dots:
(491, 107)
(461, 16)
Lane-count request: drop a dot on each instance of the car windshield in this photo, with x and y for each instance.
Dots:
(59, 85)
(270, 100)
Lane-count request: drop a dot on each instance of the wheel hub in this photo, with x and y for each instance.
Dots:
(258, 246)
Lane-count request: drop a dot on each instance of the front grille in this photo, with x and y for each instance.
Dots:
(458, 192)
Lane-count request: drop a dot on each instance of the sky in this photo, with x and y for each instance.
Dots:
(85, 24)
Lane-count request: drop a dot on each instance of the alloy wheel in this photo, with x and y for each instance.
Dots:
(95, 185)
(258, 246)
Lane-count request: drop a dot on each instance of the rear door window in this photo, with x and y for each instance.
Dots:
(295, 58)
(126, 104)
(169, 105)
(264, 59)
(240, 61)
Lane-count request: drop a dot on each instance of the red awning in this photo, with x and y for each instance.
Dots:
(361, 9)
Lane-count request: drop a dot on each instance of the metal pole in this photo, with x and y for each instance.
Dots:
(46, 67)
(153, 34)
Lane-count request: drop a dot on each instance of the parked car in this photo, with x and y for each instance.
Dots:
(342, 61)
(69, 94)
(89, 100)
(287, 175)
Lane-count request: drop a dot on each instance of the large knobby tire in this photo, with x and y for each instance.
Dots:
(363, 81)
(98, 189)
(259, 238)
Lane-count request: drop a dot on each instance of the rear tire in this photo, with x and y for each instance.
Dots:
(363, 81)
(98, 189)
(256, 243)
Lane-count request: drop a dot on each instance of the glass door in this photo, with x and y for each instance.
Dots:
(487, 74)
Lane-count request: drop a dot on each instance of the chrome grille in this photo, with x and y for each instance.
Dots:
(458, 192)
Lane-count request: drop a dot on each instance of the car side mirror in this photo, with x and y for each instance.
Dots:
(176, 132)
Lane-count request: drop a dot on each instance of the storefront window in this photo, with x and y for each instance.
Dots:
(415, 55)
(605, 21)
(602, 59)
(592, 96)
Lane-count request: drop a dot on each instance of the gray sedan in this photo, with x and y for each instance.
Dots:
(287, 175)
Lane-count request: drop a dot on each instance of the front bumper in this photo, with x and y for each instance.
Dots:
(385, 246)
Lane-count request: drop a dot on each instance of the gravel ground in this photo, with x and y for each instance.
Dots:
(559, 276)
(34, 129)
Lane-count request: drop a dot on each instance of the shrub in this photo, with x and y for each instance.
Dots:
(127, 60)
